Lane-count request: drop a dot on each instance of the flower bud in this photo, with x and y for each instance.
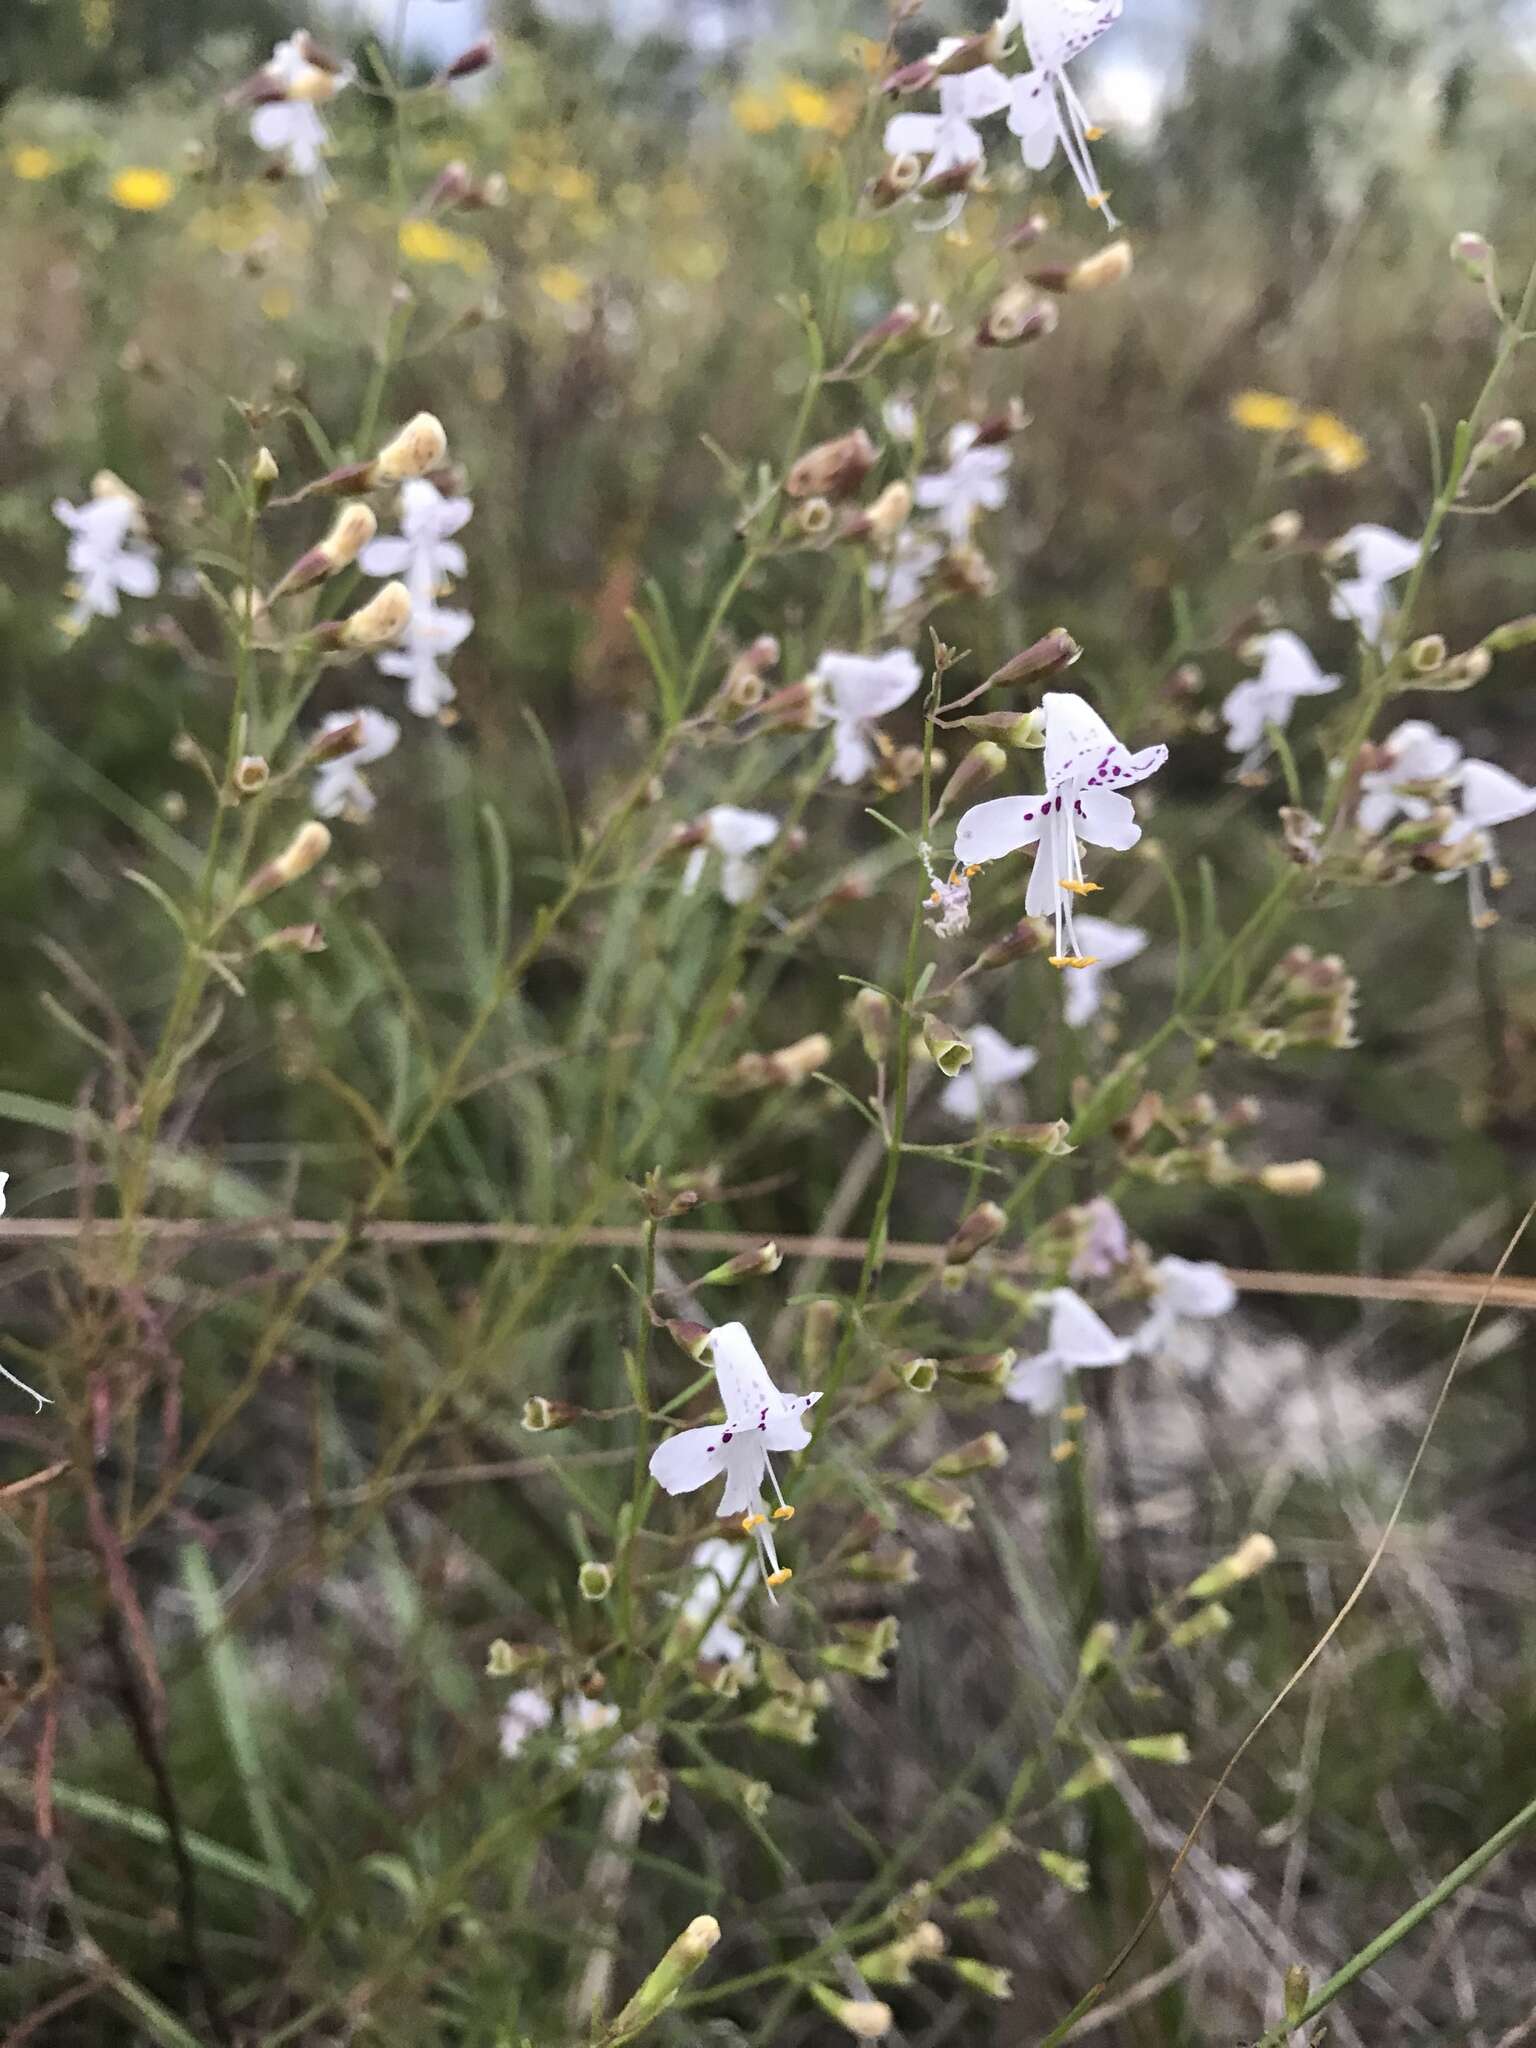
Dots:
(294, 938)
(901, 321)
(884, 1567)
(1047, 1141)
(753, 1265)
(1093, 1777)
(785, 1720)
(1473, 253)
(951, 1054)
(692, 1338)
(1298, 1991)
(1070, 1872)
(986, 1453)
(901, 176)
(420, 447)
(983, 764)
(1292, 1177)
(813, 518)
(988, 1846)
(972, 52)
(1158, 1749)
(541, 1413)
(982, 1227)
(1428, 654)
(264, 474)
(1504, 437)
(865, 2018)
(1509, 638)
(985, 1371)
(251, 774)
(662, 1986)
(1017, 316)
(379, 623)
(1025, 938)
(862, 1647)
(308, 847)
(1253, 1555)
(595, 1580)
(1210, 1621)
(509, 1660)
(988, 1978)
(1098, 1648)
(1044, 658)
(478, 57)
(888, 514)
(352, 529)
(1110, 266)
(1461, 672)
(921, 1375)
(947, 1503)
(833, 469)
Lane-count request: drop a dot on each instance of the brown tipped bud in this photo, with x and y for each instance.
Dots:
(1278, 536)
(420, 447)
(1048, 1141)
(1095, 273)
(901, 321)
(914, 77)
(1045, 657)
(1027, 937)
(1016, 317)
(1504, 437)
(786, 1068)
(251, 774)
(1292, 1177)
(451, 187)
(308, 847)
(888, 514)
(478, 57)
(789, 710)
(982, 1227)
(1007, 728)
(983, 764)
(1461, 672)
(1473, 253)
(999, 427)
(295, 938)
(900, 178)
(951, 1053)
(987, 1369)
(541, 1413)
(1027, 233)
(833, 469)
(874, 1020)
(693, 1338)
(351, 530)
(753, 1265)
(380, 622)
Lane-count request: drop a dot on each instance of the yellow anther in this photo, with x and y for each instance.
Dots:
(784, 1514)
(751, 1522)
(781, 1577)
(1094, 134)
(1485, 921)
(1074, 960)
(1060, 1455)
(972, 870)
(1098, 199)
(1077, 1413)
(1082, 888)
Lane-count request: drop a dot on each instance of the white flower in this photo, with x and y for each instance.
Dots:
(339, 789)
(1188, 1290)
(1075, 1340)
(580, 1720)
(4, 1183)
(994, 1063)
(851, 692)
(424, 553)
(947, 138)
(1490, 796)
(902, 576)
(975, 480)
(735, 835)
(1087, 771)
(718, 1585)
(1287, 672)
(1105, 1244)
(1109, 946)
(433, 634)
(106, 558)
(758, 1420)
(899, 417)
(1415, 753)
(525, 1714)
(291, 127)
(1046, 112)
(1381, 556)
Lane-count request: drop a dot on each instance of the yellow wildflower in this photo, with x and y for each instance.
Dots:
(559, 282)
(871, 57)
(141, 189)
(758, 113)
(807, 105)
(33, 163)
(568, 183)
(277, 303)
(1264, 412)
(1341, 448)
(425, 241)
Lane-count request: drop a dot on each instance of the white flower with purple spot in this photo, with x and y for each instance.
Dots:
(735, 836)
(1077, 1340)
(949, 138)
(1412, 759)
(1287, 673)
(1380, 556)
(759, 1420)
(107, 560)
(1087, 772)
(1045, 112)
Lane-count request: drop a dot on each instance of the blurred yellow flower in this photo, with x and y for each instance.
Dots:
(425, 241)
(855, 238)
(559, 282)
(758, 113)
(864, 51)
(1341, 448)
(573, 186)
(277, 303)
(1264, 412)
(808, 106)
(139, 189)
(32, 162)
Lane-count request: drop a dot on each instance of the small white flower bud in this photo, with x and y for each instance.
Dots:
(1472, 253)
(380, 621)
(308, 847)
(418, 449)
